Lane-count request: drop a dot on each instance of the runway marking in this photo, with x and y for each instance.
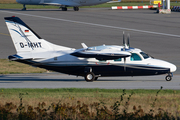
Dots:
(5, 34)
(93, 24)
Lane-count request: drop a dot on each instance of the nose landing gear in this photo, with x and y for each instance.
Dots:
(169, 77)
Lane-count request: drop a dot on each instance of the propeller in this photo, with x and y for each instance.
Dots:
(124, 64)
(124, 43)
(126, 46)
(128, 40)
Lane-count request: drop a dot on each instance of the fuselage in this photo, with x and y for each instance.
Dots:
(138, 64)
(63, 2)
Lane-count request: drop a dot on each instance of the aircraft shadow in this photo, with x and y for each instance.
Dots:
(20, 79)
(37, 10)
(16, 79)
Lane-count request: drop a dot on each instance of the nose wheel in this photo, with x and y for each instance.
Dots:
(169, 77)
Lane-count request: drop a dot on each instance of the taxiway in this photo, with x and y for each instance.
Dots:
(55, 80)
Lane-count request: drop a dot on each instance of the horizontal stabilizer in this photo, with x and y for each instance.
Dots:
(17, 57)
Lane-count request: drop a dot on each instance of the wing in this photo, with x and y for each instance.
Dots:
(59, 2)
(105, 54)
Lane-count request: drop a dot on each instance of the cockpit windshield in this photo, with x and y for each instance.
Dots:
(145, 56)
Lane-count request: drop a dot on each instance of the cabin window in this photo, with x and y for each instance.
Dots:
(102, 60)
(145, 56)
(135, 57)
(118, 59)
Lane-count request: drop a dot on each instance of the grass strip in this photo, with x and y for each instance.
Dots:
(85, 90)
(166, 100)
(105, 5)
(11, 67)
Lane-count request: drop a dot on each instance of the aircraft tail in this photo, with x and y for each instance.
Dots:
(26, 40)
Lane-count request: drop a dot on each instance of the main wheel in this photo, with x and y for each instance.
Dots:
(24, 7)
(76, 8)
(89, 77)
(64, 8)
(168, 78)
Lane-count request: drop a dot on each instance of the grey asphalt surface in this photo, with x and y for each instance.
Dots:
(54, 80)
(156, 34)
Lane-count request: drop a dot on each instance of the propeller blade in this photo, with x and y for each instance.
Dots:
(124, 40)
(124, 64)
(128, 41)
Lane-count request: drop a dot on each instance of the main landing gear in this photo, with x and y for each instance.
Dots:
(75, 8)
(89, 76)
(64, 8)
(24, 7)
(169, 77)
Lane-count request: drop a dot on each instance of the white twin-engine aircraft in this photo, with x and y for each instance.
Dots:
(63, 3)
(90, 62)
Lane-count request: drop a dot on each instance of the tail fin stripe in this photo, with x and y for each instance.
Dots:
(17, 32)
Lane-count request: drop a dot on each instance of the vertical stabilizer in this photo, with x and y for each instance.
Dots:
(26, 40)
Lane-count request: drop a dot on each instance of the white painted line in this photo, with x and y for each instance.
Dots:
(93, 24)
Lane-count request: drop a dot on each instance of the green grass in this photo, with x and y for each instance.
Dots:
(106, 5)
(87, 90)
(80, 92)
(11, 67)
(89, 104)
(166, 99)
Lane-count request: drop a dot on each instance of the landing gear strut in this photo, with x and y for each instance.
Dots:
(169, 77)
(24, 7)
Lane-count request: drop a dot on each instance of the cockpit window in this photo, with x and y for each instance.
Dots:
(135, 57)
(144, 55)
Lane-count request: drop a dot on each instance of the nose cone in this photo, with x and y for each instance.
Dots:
(173, 68)
(164, 64)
